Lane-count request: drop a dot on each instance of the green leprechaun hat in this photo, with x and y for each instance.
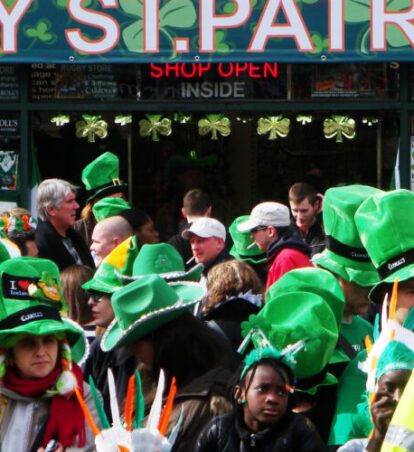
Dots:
(145, 305)
(244, 249)
(109, 207)
(299, 316)
(101, 177)
(30, 300)
(345, 255)
(385, 224)
(108, 276)
(164, 260)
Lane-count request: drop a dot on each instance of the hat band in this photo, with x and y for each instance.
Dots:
(396, 263)
(349, 252)
(113, 183)
(30, 315)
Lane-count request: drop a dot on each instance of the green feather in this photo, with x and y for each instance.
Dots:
(103, 419)
(139, 402)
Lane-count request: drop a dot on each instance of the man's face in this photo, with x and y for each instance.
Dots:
(148, 234)
(206, 250)
(64, 216)
(102, 243)
(356, 298)
(304, 212)
(101, 308)
(263, 236)
(405, 299)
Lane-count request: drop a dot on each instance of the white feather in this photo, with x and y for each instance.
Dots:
(155, 413)
(116, 419)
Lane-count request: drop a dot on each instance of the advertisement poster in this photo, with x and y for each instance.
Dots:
(8, 169)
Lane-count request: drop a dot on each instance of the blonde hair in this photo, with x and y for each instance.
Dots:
(229, 279)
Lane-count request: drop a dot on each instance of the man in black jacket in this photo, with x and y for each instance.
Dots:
(55, 237)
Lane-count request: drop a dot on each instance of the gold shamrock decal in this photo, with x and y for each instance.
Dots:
(274, 126)
(339, 126)
(154, 125)
(214, 124)
(91, 126)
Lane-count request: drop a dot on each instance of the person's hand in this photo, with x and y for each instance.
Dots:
(382, 409)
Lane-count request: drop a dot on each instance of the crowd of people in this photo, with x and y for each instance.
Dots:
(289, 330)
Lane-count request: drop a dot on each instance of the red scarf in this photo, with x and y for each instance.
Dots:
(66, 420)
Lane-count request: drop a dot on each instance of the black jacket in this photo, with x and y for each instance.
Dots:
(50, 246)
(227, 433)
(315, 237)
(182, 245)
(289, 239)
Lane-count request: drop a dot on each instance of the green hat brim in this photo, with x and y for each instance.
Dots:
(402, 274)
(96, 285)
(328, 380)
(194, 274)
(254, 259)
(364, 276)
(189, 294)
(72, 331)
(105, 191)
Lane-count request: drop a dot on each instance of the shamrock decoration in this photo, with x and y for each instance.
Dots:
(60, 120)
(338, 126)
(304, 119)
(123, 120)
(274, 126)
(154, 125)
(215, 123)
(370, 120)
(182, 118)
(41, 32)
(46, 288)
(90, 126)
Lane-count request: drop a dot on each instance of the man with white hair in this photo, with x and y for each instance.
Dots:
(55, 237)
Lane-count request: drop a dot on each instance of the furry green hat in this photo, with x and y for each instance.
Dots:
(396, 356)
(109, 207)
(101, 177)
(145, 305)
(345, 254)
(30, 300)
(385, 224)
(244, 249)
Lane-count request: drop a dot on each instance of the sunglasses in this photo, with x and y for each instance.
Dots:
(96, 297)
(257, 229)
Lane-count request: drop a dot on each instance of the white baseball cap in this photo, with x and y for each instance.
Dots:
(266, 214)
(205, 227)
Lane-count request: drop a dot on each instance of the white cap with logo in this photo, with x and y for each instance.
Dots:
(266, 214)
(205, 228)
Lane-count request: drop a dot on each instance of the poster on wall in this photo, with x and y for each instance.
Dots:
(8, 169)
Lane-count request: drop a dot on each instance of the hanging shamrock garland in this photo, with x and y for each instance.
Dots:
(370, 120)
(123, 120)
(274, 126)
(91, 126)
(304, 119)
(182, 118)
(154, 125)
(215, 124)
(60, 120)
(339, 126)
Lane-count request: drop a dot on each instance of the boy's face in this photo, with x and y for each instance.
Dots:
(266, 398)
(304, 212)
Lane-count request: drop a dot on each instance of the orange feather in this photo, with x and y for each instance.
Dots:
(166, 413)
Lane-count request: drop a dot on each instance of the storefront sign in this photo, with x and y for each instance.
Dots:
(205, 30)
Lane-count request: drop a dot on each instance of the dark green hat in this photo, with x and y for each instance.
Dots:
(101, 176)
(385, 224)
(344, 254)
(109, 207)
(244, 249)
(396, 356)
(145, 305)
(30, 300)
(164, 260)
(108, 277)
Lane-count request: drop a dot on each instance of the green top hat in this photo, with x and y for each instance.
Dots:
(109, 207)
(385, 224)
(108, 277)
(299, 316)
(344, 254)
(101, 176)
(30, 300)
(244, 249)
(145, 305)
(164, 260)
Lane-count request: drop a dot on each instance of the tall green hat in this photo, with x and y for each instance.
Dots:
(101, 176)
(108, 276)
(299, 316)
(385, 224)
(145, 305)
(164, 260)
(396, 356)
(109, 207)
(244, 249)
(344, 254)
(313, 280)
(30, 300)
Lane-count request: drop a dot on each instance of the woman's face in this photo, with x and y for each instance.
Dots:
(147, 234)
(35, 356)
(143, 352)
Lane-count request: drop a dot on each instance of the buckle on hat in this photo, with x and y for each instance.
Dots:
(116, 181)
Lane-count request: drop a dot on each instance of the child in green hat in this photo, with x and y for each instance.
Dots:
(263, 419)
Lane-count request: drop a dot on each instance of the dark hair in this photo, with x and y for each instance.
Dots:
(72, 278)
(196, 202)
(20, 238)
(300, 191)
(187, 348)
(135, 217)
